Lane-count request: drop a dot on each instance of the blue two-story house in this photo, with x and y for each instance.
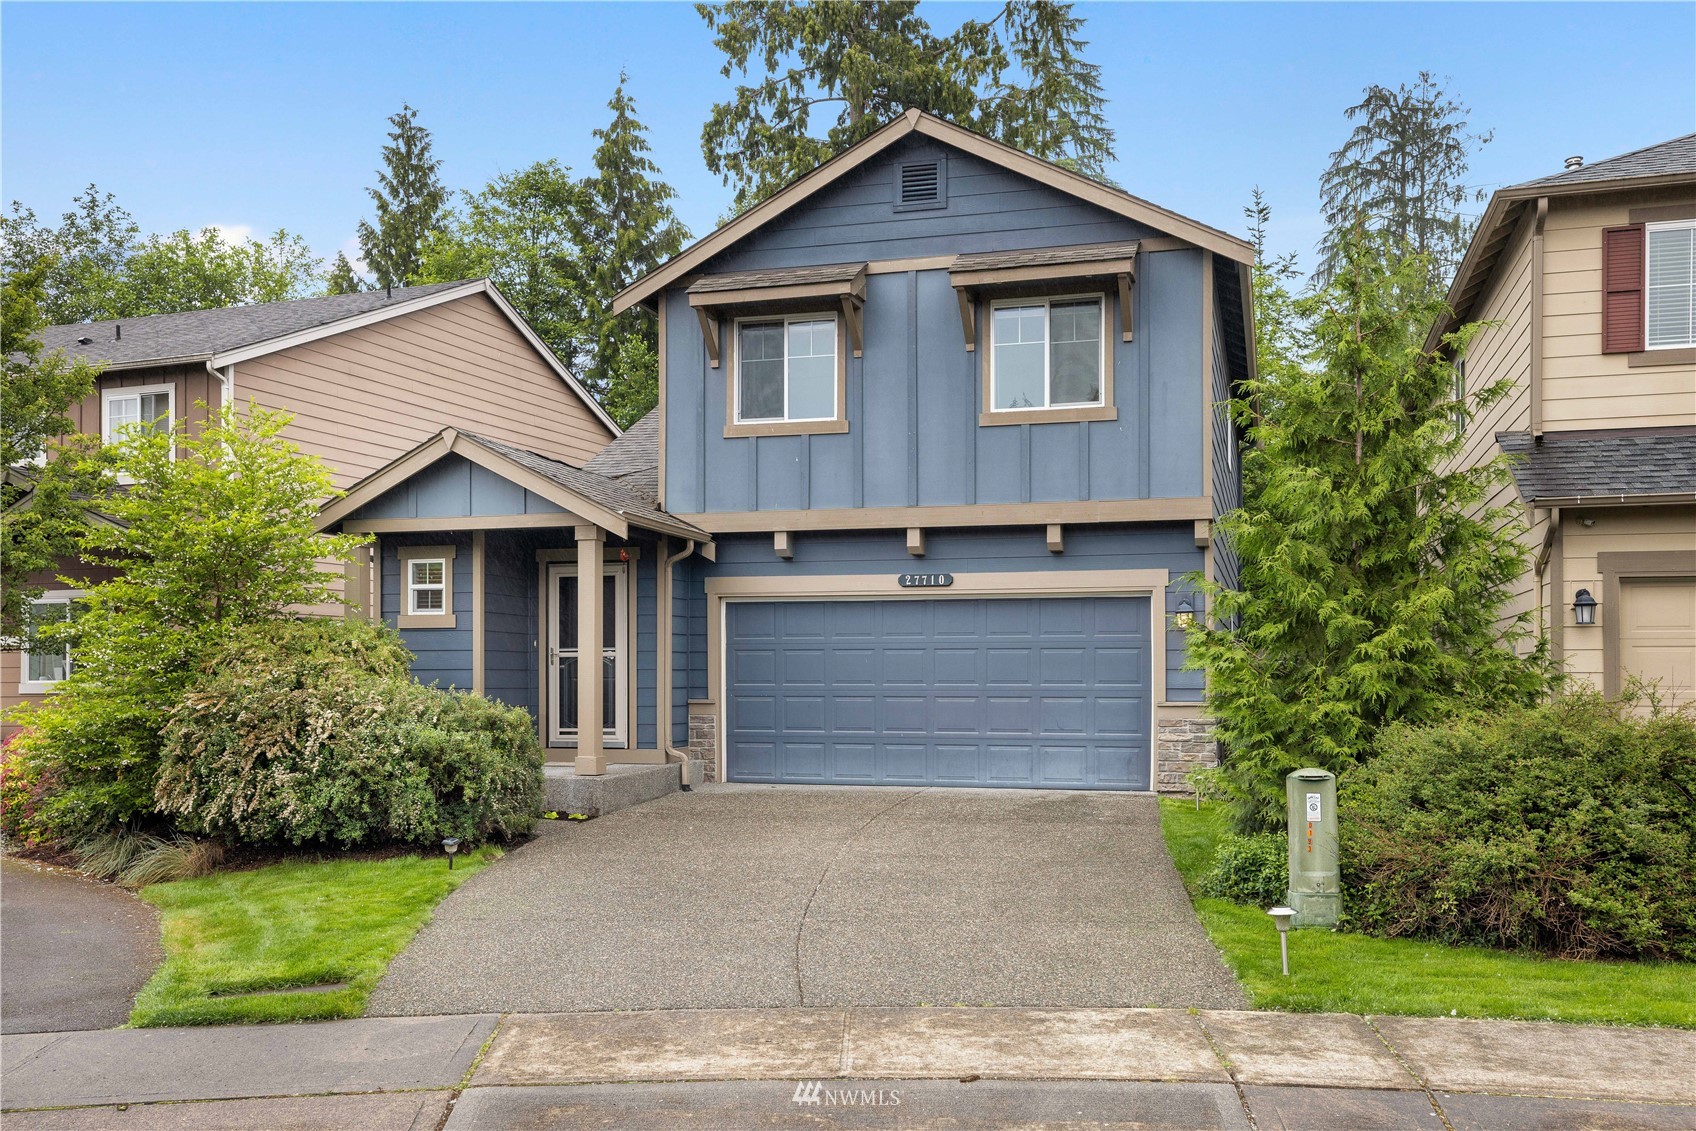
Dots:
(939, 438)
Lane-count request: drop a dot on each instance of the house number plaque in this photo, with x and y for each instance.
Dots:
(926, 580)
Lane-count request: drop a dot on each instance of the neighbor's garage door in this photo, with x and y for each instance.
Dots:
(1657, 633)
(1046, 693)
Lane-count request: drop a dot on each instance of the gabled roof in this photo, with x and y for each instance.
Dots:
(232, 334)
(1665, 163)
(615, 502)
(1677, 156)
(1598, 467)
(929, 125)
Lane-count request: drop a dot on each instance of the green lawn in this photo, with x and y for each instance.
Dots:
(1337, 972)
(295, 924)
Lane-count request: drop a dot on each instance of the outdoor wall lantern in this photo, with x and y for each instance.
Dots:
(450, 845)
(1282, 916)
(1186, 614)
(1584, 607)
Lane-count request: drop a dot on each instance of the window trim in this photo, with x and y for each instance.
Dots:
(26, 685)
(1102, 408)
(1649, 229)
(108, 395)
(405, 617)
(735, 426)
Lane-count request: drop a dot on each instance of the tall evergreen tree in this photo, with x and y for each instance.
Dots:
(629, 229)
(1374, 577)
(1403, 171)
(410, 201)
(1019, 77)
(342, 279)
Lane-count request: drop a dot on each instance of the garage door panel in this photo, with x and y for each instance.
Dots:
(966, 692)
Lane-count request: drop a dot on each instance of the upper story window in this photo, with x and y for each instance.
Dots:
(1046, 354)
(789, 375)
(1670, 302)
(151, 406)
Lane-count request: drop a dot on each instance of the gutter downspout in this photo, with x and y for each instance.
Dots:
(1540, 568)
(662, 662)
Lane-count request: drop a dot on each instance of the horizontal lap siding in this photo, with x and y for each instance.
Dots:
(1621, 529)
(363, 397)
(1583, 387)
(1227, 471)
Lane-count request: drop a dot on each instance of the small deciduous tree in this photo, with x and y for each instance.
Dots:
(219, 537)
(1374, 576)
(410, 203)
(37, 389)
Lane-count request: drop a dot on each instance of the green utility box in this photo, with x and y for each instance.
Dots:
(1316, 889)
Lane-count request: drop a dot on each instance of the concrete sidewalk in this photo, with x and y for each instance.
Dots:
(859, 1068)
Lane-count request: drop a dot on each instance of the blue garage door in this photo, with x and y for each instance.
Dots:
(1048, 693)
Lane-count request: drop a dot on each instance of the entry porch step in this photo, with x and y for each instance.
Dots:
(623, 785)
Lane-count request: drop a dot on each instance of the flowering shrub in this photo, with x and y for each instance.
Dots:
(25, 784)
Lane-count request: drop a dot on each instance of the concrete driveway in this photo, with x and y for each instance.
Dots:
(73, 951)
(736, 896)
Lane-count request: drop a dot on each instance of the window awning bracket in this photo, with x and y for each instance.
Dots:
(709, 331)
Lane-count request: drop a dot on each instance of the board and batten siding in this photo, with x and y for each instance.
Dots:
(1167, 546)
(442, 655)
(989, 208)
(913, 436)
(1583, 387)
(196, 395)
(363, 397)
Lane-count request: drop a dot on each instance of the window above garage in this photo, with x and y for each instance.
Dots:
(1050, 354)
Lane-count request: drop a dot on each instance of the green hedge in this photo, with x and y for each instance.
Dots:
(313, 732)
(1252, 870)
(1567, 829)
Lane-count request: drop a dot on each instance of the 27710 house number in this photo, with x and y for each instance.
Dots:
(925, 580)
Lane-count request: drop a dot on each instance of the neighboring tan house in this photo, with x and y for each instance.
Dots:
(1588, 278)
(939, 439)
(366, 376)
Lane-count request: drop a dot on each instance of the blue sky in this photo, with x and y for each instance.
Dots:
(255, 116)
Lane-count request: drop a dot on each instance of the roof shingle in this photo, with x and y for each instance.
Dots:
(1045, 256)
(1658, 160)
(1603, 465)
(197, 334)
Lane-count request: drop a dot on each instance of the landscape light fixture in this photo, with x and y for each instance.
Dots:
(1282, 916)
(450, 845)
(1186, 614)
(1584, 607)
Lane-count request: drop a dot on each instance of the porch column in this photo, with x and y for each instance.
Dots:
(590, 758)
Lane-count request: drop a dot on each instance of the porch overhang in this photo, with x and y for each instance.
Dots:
(594, 501)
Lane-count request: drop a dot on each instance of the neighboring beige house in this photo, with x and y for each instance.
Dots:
(367, 376)
(1588, 278)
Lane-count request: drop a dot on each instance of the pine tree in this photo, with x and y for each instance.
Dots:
(629, 229)
(410, 203)
(1403, 171)
(341, 279)
(1373, 576)
(1019, 77)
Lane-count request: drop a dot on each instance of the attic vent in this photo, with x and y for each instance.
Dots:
(920, 184)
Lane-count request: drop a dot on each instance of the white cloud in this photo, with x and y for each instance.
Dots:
(233, 234)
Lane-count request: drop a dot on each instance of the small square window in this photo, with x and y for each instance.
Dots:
(426, 586)
(1047, 353)
(786, 370)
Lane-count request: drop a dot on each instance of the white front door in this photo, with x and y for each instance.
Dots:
(562, 651)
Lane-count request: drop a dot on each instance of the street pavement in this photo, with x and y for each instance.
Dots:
(73, 951)
(859, 1068)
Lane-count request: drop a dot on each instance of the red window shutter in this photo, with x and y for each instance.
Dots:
(1622, 289)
